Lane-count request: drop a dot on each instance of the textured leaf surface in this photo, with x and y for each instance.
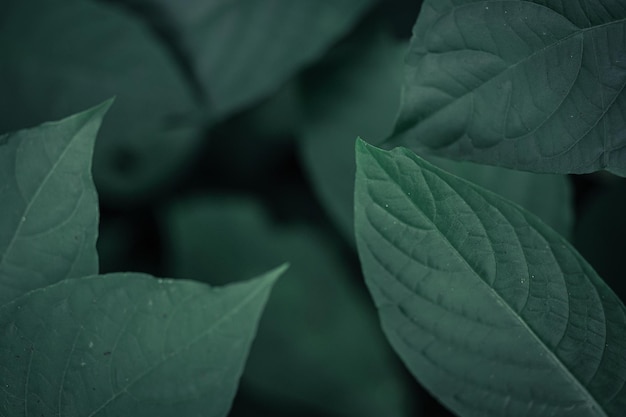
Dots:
(127, 344)
(73, 54)
(48, 204)
(533, 85)
(360, 97)
(319, 344)
(242, 50)
(548, 196)
(490, 309)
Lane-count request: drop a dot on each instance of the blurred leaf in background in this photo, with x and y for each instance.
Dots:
(242, 50)
(176, 68)
(61, 56)
(319, 345)
(357, 93)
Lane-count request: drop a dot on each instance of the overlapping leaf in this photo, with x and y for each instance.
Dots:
(490, 309)
(73, 343)
(60, 57)
(532, 85)
(361, 97)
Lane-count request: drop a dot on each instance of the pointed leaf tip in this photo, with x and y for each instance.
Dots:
(105, 105)
(43, 167)
(176, 340)
(362, 147)
(272, 276)
(96, 112)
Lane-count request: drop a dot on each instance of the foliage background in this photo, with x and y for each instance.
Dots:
(243, 197)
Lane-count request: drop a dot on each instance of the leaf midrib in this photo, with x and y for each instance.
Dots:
(236, 309)
(25, 213)
(494, 294)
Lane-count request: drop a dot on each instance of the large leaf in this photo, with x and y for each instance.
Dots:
(127, 345)
(241, 50)
(48, 204)
(62, 56)
(361, 96)
(318, 346)
(490, 309)
(532, 85)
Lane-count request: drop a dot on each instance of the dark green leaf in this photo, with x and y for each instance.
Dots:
(242, 50)
(48, 204)
(490, 309)
(77, 344)
(62, 56)
(533, 85)
(127, 345)
(319, 345)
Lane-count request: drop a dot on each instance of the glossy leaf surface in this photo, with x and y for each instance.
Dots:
(490, 309)
(127, 344)
(48, 204)
(531, 85)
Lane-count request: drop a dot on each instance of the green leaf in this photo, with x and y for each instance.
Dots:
(319, 345)
(490, 309)
(92, 51)
(532, 85)
(243, 50)
(77, 344)
(127, 344)
(49, 206)
(361, 96)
